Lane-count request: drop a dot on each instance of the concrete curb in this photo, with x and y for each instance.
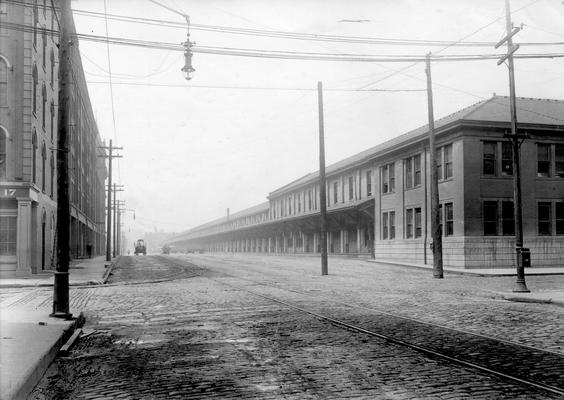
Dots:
(36, 371)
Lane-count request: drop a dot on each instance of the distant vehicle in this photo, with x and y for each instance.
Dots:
(166, 249)
(140, 247)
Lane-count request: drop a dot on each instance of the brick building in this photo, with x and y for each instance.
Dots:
(379, 200)
(28, 141)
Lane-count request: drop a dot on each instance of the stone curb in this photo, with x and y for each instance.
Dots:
(522, 299)
(44, 361)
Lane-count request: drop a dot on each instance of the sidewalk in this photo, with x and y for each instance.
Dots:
(549, 297)
(29, 338)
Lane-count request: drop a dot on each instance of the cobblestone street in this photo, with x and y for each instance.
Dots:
(179, 327)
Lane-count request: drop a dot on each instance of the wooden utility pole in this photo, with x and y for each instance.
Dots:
(515, 140)
(109, 156)
(322, 183)
(117, 188)
(61, 276)
(435, 215)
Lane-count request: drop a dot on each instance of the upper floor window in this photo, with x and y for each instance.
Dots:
(489, 158)
(35, 21)
(335, 192)
(34, 157)
(309, 199)
(44, 48)
(444, 162)
(369, 183)
(3, 137)
(43, 105)
(3, 83)
(351, 187)
(43, 167)
(388, 178)
(412, 167)
(34, 89)
(543, 159)
(550, 159)
(299, 202)
(52, 174)
(52, 120)
(506, 158)
(52, 62)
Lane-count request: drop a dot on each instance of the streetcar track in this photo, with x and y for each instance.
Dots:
(423, 349)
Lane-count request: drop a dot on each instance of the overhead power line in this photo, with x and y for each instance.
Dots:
(261, 53)
(291, 35)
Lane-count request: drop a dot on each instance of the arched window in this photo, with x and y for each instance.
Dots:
(3, 140)
(34, 89)
(43, 165)
(52, 57)
(52, 171)
(43, 106)
(52, 119)
(35, 21)
(44, 48)
(3, 83)
(34, 157)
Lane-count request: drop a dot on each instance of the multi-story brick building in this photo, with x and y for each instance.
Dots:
(28, 144)
(379, 200)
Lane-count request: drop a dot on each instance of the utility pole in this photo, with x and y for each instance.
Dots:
(109, 156)
(61, 276)
(322, 183)
(117, 188)
(435, 214)
(514, 138)
(117, 233)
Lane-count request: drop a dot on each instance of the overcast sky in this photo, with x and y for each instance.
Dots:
(192, 151)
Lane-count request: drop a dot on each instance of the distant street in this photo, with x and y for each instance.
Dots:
(211, 326)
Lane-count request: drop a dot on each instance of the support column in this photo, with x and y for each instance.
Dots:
(23, 250)
(293, 236)
(315, 242)
(342, 237)
(359, 233)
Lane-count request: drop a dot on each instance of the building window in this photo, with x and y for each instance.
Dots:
(409, 223)
(44, 49)
(507, 218)
(43, 165)
(3, 138)
(3, 83)
(43, 106)
(413, 223)
(290, 206)
(299, 202)
(35, 21)
(545, 218)
(449, 219)
(52, 172)
(369, 183)
(388, 178)
(34, 157)
(490, 218)
(309, 200)
(52, 121)
(8, 235)
(335, 192)
(489, 158)
(351, 188)
(52, 62)
(506, 159)
(559, 218)
(412, 171)
(34, 90)
(543, 160)
(447, 161)
(389, 225)
(559, 160)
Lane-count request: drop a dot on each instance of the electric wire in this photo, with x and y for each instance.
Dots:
(294, 35)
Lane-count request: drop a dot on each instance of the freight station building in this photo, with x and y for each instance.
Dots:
(379, 200)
